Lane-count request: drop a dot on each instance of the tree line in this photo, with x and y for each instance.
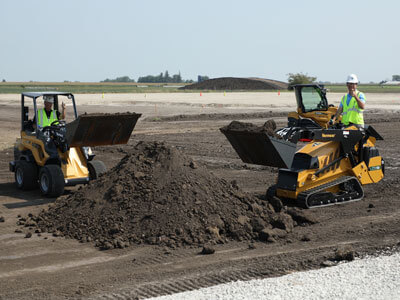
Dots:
(161, 78)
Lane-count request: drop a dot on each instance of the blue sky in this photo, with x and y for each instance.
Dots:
(88, 40)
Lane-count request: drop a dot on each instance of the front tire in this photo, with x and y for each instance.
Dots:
(96, 168)
(51, 181)
(26, 175)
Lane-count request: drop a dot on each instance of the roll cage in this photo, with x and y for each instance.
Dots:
(311, 97)
(25, 122)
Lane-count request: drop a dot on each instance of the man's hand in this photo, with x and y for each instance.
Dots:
(62, 117)
(353, 93)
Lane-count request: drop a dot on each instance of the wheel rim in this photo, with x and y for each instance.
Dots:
(19, 176)
(44, 182)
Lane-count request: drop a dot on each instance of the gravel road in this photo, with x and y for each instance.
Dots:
(368, 278)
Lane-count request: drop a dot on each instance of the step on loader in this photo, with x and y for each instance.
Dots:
(330, 169)
(59, 154)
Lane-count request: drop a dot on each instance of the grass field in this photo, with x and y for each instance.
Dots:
(101, 87)
(87, 87)
(366, 88)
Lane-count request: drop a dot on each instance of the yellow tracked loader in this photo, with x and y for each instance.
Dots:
(330, 169)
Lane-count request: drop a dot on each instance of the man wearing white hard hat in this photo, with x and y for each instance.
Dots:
(47, 115)
(352, 104)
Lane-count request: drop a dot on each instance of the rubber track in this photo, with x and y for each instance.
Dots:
(303, 196)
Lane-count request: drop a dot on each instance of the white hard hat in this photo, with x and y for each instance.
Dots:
(48, 99)
(352, 78)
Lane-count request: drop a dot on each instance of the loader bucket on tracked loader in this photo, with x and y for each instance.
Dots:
(101, 129)
(260, 148)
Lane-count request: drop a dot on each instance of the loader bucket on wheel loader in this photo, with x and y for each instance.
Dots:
(101, 129)
(260, 148)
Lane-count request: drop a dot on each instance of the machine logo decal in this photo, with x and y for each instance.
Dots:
(326, 135)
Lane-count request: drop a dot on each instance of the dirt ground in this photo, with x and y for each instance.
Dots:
(48, 267)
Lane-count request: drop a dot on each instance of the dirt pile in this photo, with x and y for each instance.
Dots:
(157, 195)
(268, 127)
(232, 83)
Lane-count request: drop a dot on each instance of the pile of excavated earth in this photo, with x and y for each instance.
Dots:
(268, 127)
(157, 195)
(232, 83)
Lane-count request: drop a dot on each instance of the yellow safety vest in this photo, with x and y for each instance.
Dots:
(351, 113)
(43, 121)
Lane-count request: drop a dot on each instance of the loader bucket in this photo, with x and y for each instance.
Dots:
(261, 149)
(101, 129)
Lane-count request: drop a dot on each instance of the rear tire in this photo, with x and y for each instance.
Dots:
(17, 154)
(271, 192)
(96, 168)
(26, 177)
(51, 181)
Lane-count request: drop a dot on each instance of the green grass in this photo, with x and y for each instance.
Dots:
(365, 88)
(94, 87)
(82, 88)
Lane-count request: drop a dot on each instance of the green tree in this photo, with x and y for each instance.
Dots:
(119, 79)
(166, 77)
(299, 78)
(177, 78)
(162, 78)
(396, 77)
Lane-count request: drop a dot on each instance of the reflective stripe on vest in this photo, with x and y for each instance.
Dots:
(43, 120)
(351, 113)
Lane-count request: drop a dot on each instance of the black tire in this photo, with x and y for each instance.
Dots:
(96, 168)
(51, 181)
(271, 192)
(17, 154)
(26, 177)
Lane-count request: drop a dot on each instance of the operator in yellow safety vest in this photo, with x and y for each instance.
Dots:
(47, 115)
(352, 105)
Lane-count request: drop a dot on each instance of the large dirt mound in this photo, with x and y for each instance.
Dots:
(232, 83)
(157, 195)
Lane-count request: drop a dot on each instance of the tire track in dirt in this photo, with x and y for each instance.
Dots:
(245, 268)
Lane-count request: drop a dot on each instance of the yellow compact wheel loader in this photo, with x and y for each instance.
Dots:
(313, 110)
(59, 154)
(330, 169)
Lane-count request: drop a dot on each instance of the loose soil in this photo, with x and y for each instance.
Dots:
(157, 195)
(268, 127)
(37, 264)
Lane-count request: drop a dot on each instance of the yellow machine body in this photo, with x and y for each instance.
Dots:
(74, 164)
(333, 166)
(59, 154)
(326, 153)
(313, 110)
(322, 118)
